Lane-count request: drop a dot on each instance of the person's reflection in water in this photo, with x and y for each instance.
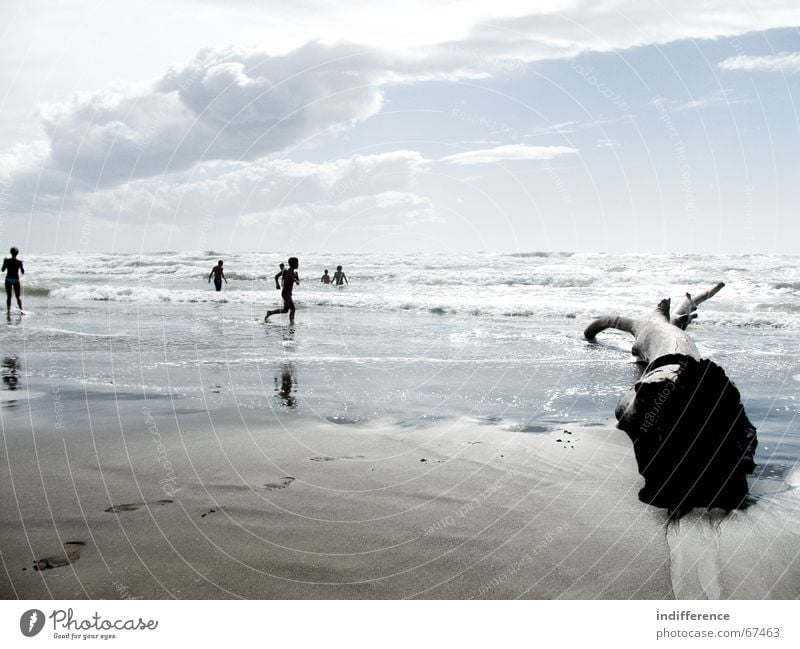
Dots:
(286, 386)
(10, 369)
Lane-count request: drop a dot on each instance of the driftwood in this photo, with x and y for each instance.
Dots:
(693, 442)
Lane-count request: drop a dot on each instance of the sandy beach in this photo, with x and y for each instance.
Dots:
(456, 510)
(428, 441)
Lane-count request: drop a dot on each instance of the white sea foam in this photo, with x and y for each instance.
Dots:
(761, 292)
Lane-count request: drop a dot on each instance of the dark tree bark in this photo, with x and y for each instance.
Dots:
(692, 439)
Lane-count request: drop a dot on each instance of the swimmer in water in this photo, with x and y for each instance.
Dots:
(325, 279)
(279, 277)
(339, 277)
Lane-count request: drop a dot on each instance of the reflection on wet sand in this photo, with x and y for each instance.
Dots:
(286, 386)
(10, 372)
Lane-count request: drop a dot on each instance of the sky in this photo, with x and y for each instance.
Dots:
(430, 126)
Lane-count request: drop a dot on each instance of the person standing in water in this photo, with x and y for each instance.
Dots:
(279, 277)
(339, 277)
(290, 278)
(218, 276)
(325, 279)
(13, 268)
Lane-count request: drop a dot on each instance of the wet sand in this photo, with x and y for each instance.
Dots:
(299, 508)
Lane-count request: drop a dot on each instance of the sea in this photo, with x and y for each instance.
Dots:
(412, 339)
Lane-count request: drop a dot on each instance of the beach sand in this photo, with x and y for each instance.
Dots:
(302, 508)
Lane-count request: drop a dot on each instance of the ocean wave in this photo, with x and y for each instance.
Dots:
(504, 301)
(108, 293)
(160, 263)
(533, 284)
(55, 331)
(538, 253)
(250, 277)
(564, 281)
(34, 289)
(555, 281)
(792, 286)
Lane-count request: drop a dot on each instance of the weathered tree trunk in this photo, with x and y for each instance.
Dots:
(692, 439)
(658, 334)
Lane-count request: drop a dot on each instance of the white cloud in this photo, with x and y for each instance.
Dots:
(508, 152)
(224, 190)
(223, 105)
(615, 25)
(245, 105)
(390, 208)
(722, 97)
(788, 62)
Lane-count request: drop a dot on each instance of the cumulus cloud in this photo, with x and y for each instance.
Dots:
(566, 29)
(385, 210)
(508, 152)
(223, 105)
(227, 189)
(788, 63)
(244, 105)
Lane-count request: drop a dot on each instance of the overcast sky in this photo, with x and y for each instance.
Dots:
(615, 125)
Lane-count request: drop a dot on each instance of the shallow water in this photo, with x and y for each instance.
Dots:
(411, 340)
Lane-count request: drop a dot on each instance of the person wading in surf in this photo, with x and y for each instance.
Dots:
(218, 276)
(339, 277)
(13, 268)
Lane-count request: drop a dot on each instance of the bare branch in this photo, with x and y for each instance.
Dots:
(684, 314)
(610, 322)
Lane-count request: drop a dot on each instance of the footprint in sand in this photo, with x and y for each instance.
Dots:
(328, 458)
(281, 484)
(130, 507)
(72, 552)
